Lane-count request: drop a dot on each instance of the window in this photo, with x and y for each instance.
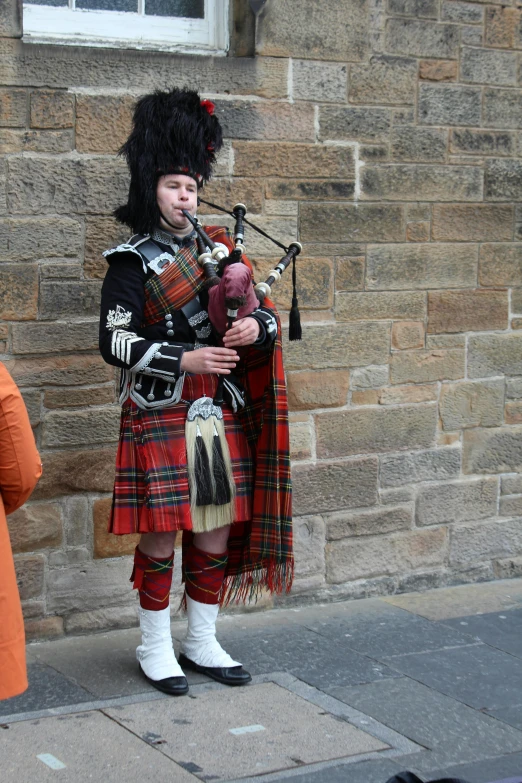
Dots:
(172, 25)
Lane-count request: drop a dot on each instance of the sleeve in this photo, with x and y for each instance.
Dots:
(122, 304)
(267, 327)
(20, 464)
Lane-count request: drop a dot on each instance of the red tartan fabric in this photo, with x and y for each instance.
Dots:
(204, 574)
(153, 579)
(151, 491)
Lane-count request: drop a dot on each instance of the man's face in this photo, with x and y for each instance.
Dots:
(175, 192)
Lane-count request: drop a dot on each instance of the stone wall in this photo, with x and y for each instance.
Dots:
(386, 133)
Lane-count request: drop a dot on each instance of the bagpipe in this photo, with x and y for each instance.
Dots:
(232, 294)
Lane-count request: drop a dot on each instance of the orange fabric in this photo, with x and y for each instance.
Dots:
(20, 469)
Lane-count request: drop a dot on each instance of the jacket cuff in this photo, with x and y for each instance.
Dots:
(162, 360)
(267, 327)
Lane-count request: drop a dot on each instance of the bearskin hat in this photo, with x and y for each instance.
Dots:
(174, 132)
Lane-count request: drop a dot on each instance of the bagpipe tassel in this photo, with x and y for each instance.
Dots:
(211, 481)
(294, 321)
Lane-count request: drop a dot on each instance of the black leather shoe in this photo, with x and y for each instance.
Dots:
(174, 686)
(231, 675)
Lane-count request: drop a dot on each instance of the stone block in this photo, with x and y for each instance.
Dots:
(230, 191)
(516, 323)
(45, 338)
(502, 108)
(407, 335)
(311, 190)
(503, 28)
(374, 153)
(33, 404)
(339, 345)
(54, 142)
(19, 292)
(397, 470)
(69, 472)
(401, 395)
(438, 70)
(384, 80)
(52, 109)
(101, 233)
(44, 628)
(103, 122)
(471, 35)
(90, 586)
(479, 404)
(353, 432)
(13, 108)
(11, 20)
(449, 105)
(266, 121)
(495, 354)
(510, 506)
(281, 208)
(418, 212)
(464, 13)
(406, 267)
(377, 305)
(340, 122)
(60, 300)
(488, 66)
(102, 619)
(458, 501)
(467, 311)
(107, 544)
(445, 341)
(500, 265)
(448, 438)
(47, 185)
(373, 522)
(511, 485)
(319, 81)
(356, 558)
(300, 439)
(477, 142)
(30, 571)
(334, 485)
(472, 223)
(508, 568)
(60, 371)
(516, 300)
(503, 180)
(410, 182)
(424, 145)
(441, 364)
(420, 38)
(259, 159)
(369, 377)
(491, 450)
(35, 526)
(309, 545)
(324, 389)
(514, 388)
(367, 397)
(350, 222)
(349, 273)
(288, 29)
(276, 226)
(403, 116)
(513, 412)
(423, 9)
(485, 540)
(314, 283)
(26, 239)
(81, 428)
(77, 521)
(80, 398)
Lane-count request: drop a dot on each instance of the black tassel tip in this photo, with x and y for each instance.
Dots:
(202, 471)
(222, 485)
(294, 330)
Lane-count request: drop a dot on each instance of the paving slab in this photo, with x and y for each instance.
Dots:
(104, 664)
(511, 715)
(228, 733)
(455, 732)
(91, 746)
(502, 630)
(390, 631)
(480, 676)
(461, 600)
(486, 771)
(374, 771)
(317, 660)
(47, 689)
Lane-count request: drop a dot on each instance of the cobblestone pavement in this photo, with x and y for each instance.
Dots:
(352, 692)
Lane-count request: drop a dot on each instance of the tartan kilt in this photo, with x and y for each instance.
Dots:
(151, 489)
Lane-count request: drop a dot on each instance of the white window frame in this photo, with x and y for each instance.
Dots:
(75, 26)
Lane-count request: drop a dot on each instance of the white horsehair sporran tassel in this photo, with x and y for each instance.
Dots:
(211, 482)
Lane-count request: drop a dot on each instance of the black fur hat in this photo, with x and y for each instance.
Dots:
(173, 132)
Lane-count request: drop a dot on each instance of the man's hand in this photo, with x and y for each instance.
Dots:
(245, 331)
(204, 361)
